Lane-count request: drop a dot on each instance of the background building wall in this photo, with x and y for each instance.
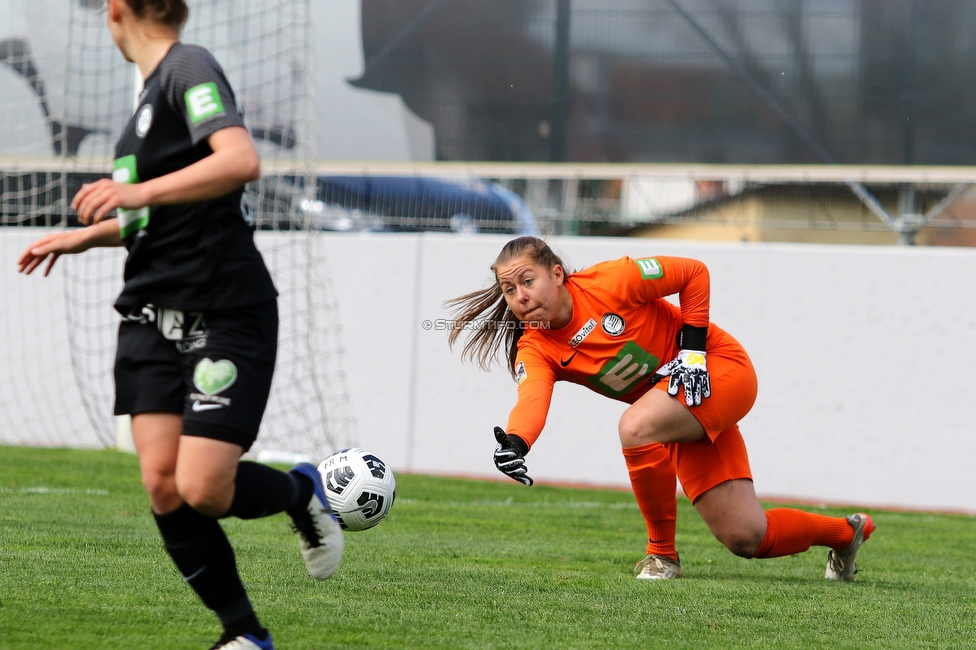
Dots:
(872, 81)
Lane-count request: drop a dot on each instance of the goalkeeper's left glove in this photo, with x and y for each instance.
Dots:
(688, 367)
(510, 456)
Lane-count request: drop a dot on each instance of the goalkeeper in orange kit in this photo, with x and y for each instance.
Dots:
(687, 381)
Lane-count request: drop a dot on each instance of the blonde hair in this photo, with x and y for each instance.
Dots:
(500, 325)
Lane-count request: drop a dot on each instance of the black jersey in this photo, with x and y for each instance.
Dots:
(189, 256)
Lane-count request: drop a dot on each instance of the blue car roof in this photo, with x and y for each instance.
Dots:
(414, 197)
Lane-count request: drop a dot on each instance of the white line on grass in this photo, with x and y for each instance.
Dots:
(509, 502)
(47, 490)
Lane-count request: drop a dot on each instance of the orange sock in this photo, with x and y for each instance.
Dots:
(791, 531)
(652, 476)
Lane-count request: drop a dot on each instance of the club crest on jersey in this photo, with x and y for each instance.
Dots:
(582, 333)
(144, 121)
(520, 374)
(612, 324)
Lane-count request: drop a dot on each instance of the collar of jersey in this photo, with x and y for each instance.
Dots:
(155, 71)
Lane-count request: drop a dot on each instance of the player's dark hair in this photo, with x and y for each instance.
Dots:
(498, 325)
(168, 12)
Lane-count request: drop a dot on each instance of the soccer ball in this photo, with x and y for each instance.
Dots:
(360, 487)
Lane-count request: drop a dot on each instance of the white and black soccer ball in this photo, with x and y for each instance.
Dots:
(360, 487)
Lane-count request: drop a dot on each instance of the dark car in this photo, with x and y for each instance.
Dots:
(409, 203)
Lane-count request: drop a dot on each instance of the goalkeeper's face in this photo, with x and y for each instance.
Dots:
(533, 292)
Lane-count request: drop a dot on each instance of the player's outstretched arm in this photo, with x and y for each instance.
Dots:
(510, 456)
(233, 163)
(51, 247)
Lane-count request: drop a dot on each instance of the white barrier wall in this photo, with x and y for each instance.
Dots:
(40, 402)
(865, 359)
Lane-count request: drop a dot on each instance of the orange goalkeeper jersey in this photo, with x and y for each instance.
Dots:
(622, 331)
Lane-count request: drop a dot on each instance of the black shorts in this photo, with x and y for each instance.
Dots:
(213, 367)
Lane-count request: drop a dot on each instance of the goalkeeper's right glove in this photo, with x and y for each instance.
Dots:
(688, 367)
(510, 456)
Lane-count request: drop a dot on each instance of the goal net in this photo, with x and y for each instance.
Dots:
(66, 95)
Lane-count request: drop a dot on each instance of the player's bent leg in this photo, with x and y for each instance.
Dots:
(732, 512)
(792, 531)
(261, 491)
(157, 440)
(200, 550)
(644, 428)
(211, 478)
(205, 471)
(653, 480)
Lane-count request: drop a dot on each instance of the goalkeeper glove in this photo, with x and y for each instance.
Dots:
(510, 456)
(688, 367)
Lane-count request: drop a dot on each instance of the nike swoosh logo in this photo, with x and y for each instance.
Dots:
(566, 362)
(196, 573)
(197, 406)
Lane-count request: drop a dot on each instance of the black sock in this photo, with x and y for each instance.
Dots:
(260, 491)
(247, 625)
(305, 490)
(204, 557)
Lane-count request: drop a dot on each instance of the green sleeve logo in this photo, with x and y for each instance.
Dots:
(130, 221)
(650, 268)
(203, 101)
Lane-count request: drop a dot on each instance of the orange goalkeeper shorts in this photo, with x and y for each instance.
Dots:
(721, 455)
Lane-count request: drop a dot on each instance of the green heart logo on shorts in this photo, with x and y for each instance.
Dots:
(211, 377)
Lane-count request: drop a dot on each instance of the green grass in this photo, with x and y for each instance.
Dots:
(459, 564)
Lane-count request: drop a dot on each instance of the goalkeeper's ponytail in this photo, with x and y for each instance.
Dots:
(494, 323)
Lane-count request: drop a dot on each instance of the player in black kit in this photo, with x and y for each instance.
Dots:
(199, 330)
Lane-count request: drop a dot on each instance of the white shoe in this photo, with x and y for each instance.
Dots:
(319, 534)
(245, 642)
(658, 567)
(840, 563)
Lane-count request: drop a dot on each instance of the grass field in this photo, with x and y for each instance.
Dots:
(459, 564)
